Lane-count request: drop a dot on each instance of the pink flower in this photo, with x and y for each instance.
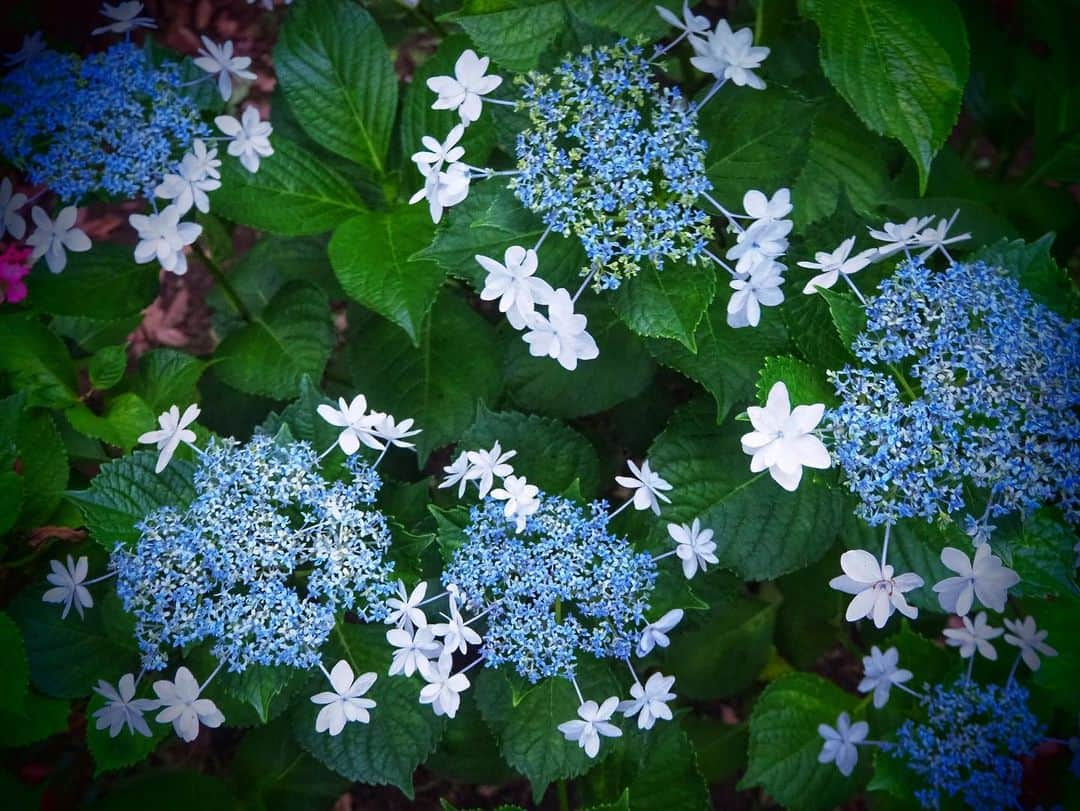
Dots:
(14, 265)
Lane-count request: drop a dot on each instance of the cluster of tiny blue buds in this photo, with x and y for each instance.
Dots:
(112, 123)
(261, 561)
(970, 744)
(964, 380)
(563, 586)
(615, 160)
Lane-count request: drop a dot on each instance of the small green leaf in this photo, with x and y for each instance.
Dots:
(901, 66)
(1059, 675)
(338, 79)
(37, 361)
(124, 419)
(1036, 270)
(849, 317)
(514, 33)
(167, 377)
(805, 383)
(259, 685)
(291, 338)
(36, 457)
(668, 303)
(371, 256)
(107, 366)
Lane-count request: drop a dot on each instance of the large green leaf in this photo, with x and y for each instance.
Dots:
(41, 472)
(762, 531)
(512, 33)
(901, 66)
(272, 773)
(667, 303)
(292, 194)
(1032, 264)
(402, 731)
(15, 675)
(167, 377)
(784, 744)
(104, 283)
(439, 382)
(37, 362)
(339, 79)
(291, 338)
(371, 256)
(549, 454)
(124, 418)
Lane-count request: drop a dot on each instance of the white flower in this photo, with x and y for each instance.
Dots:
(457, 473)
(760, 207)
(655, 634)
(394, 432)
(765, 239)
(174, 430)
(935, 239)
(782, 440)
(204, 160)
(183, 707)
(122, 708)
(189, 185)
(443, 690)
(838, 262)
(840, 743)
(649, 702)
(984, 577)
(761, 288)
(125, 17)
(647, 486)
(898, 236)
(877, 592)
(355, 424)
(695, 546)
(439, 153)
(414, 650)
(10, 204)
(562, 335)
(593, 724)
(219, 59)
(463, 90)
(405, 611)
(514, 285)
(68, 585)
(974, 636)
(1029, 639)
(455, 632)
(730, 55)
(880, 673)
(32, 45)
(346, 702)
(443, 189)
(163, 236)
(485, 466)
(690, 23)
(52, 237)
(520, 498)
(250, 137)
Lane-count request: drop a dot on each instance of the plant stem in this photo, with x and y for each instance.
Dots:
(564, 796)
(226, 285)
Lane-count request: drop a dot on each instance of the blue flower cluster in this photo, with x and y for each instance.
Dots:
(563, 586)
(970, 744)
(261, 561)
(614, 160)
(111, 123)
(964, 380)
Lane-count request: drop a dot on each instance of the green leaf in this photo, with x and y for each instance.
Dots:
(622, 371)
(38, 718)
(171, 790)
(1040, 550)
(402, 731)
(127, 748)
(805, 383)
(668, 775)
(371, 256)
(291, 338)
(727, 360)
(42, 462)
(628, 18)
(259, 685)
(468, 752)
(849, 317)
(68, 656)
(451, 529)
(666, 303)
(720, 747)
(126, 490)
(272, 773)
(292, 194)
(1032, 264)
(512, 33)
(1058, 675)
(102, 284)
(901, 66)
(125, 418)
(167, 377)
(551, 455)
(761, 530)
(338, 79)
(107, 367)
(756, 141)
(302, 418)
(438, 383)
(15, 675)
(784, 743)
(37, 361)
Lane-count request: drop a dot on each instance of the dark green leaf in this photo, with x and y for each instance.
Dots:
(167, 377)
(271, 773)
(170, 790)
(124, 418)
(668, 303)
(102, 284)
(1032, 264)
(15, 675)
(514, 33)
(127, 748)
(805, 383)
(37, 361)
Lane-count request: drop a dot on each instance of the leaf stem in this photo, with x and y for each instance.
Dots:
(564, 796)
(226, 285)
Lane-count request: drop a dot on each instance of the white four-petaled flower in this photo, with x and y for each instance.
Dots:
(183, 708)
(690, 23)
(455, 633)
(173, 430)
(68, 585)
(438, 153)
(219, 59)
(649, 701)
(840, 743)
(935, 239)
(562, 334)
(415, 650)
(443, 189)
(655, 634)
(164, 237)
(464, 90)
(974, 636)
(898, 236)
(457, 473)
(405, 611)
(1026, 636)
(355, 423)
(984, 577)
(762, 287)
(10, 205)
(520, 497)
(486, 466)
(346, 702)
(694, 546)
(250, 137)
(513, 283)
(763, 240)
(595, 721)
(32, 45)
(52, 238)
(647, 485)
(782, 441)
(880, 673)
(125, 17)
(877, 591)
(122, 708)
(443, 689)
(832, 266)
(188, 186)
(394, 433)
